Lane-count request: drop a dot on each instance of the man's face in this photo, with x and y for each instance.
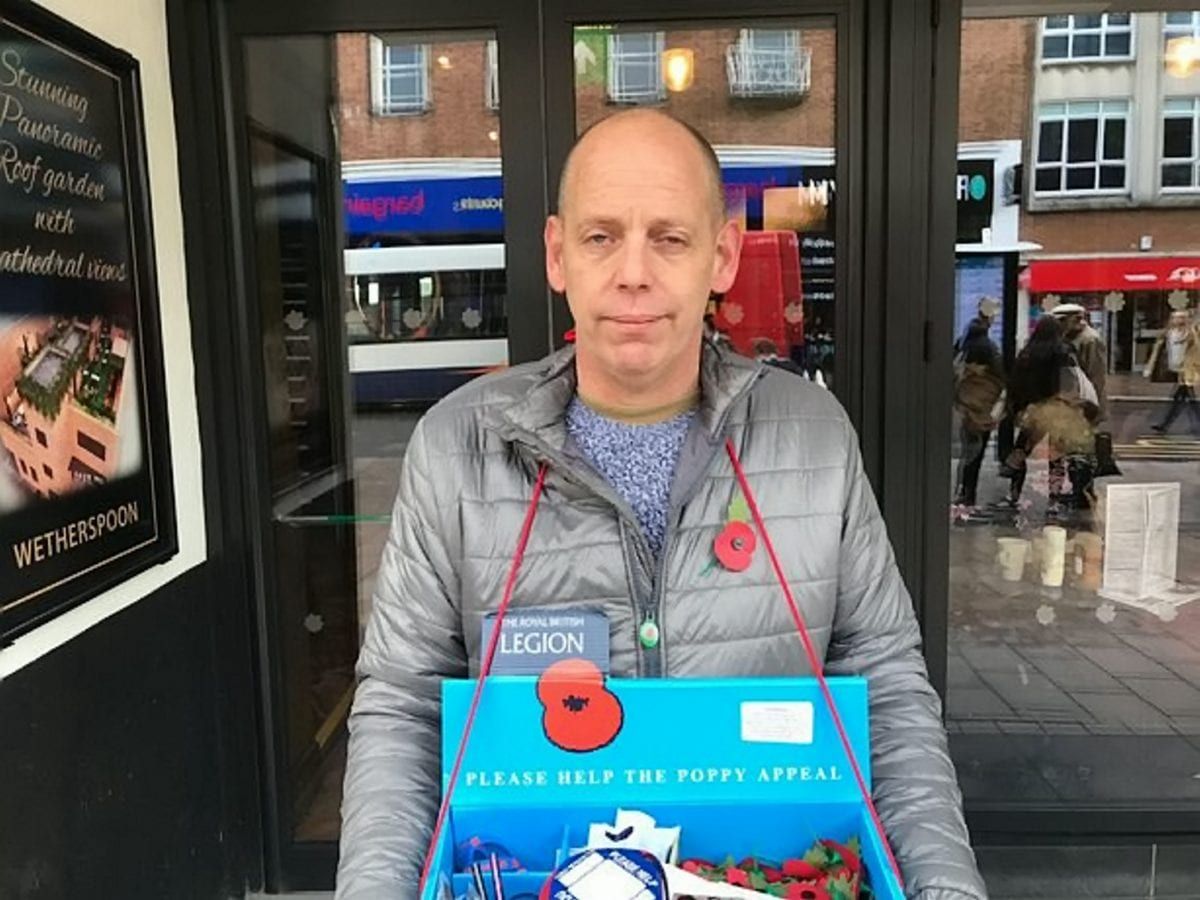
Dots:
(638, 249)
(1180, 319)
(1072, 324)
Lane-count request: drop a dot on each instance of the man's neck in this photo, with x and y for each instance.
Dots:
(637, 401)
(643, 415)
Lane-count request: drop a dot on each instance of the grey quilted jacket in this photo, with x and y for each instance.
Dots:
(466, 482)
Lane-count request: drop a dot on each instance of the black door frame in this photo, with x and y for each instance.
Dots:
(1008, 823)
(892, 258)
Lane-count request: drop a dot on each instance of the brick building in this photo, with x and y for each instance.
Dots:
(457, 116)
(1109, 181)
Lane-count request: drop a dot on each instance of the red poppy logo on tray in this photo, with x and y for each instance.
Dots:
(579, 712)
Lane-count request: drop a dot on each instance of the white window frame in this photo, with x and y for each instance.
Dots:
(1181, 29)
(1173, 109)
(618, 58)
(1072, 30)
(491, 87)
(1061, 111)
(382, 102)
(747, 61)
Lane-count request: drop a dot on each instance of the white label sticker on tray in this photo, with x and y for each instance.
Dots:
(778, 722)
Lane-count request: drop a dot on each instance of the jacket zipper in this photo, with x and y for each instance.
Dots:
(646, 633)
(649, 662)
(658, 613)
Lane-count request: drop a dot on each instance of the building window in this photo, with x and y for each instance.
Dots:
(635, 67)
(768, 62)
(91, 445)
(1082, 148)
(33, 474)
(1185, 24)
(400, 78)
(41, 437)
(1090, 36)
(49, 472)
(1181, 144)
(492, 81)
(24, 470)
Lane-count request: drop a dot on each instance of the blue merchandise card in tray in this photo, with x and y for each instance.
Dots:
(746, 767)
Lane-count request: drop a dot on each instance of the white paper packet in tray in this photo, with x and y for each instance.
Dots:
(635, 830)
(685, 884)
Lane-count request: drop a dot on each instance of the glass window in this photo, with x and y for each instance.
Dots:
(404, 79)
(492, 84)
(777, 163)
(1096, 132)
(1073, 676)
(1181, 144)
(635, 67)
(768, 62)
(1184, 24)
(1093, 36)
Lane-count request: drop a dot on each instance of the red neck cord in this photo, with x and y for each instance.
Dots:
(488, 657)
(813, 662)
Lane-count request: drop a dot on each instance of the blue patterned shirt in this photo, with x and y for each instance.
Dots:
(638, 460)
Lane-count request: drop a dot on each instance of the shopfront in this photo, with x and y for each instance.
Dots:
(363, 188)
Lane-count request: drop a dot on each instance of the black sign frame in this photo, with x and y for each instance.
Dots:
(57, 551)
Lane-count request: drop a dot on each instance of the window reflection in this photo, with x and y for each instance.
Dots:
(763, 97)
(1075, 527)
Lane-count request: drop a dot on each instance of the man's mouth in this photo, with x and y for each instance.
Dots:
(634, 320)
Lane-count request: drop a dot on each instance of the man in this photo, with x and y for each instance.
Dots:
(1092, 355)
(632, 423)
(1089, 349)
(986, 312)
(1176, 358)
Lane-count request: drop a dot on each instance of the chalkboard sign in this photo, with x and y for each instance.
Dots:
(85, 478)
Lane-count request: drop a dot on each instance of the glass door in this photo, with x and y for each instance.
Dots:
(374, 199)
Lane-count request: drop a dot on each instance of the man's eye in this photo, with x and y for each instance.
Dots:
(597, 239)
(674, 240)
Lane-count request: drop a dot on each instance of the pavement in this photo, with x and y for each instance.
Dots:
(1061, 695)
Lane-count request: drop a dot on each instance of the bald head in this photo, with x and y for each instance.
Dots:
(621, 131)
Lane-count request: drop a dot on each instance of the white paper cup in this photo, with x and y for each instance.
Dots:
(1053, 555)
(1011, 554)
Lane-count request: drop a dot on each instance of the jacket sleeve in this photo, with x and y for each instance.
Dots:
(413, 640)
(875, 634)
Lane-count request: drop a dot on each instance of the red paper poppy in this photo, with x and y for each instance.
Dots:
(798, 868)
(735, 545)
(849, 857)
(738, 877)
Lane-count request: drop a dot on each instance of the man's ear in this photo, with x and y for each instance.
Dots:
(553, 237)
(729, 252)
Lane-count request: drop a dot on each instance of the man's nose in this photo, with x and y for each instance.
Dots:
(633, 274)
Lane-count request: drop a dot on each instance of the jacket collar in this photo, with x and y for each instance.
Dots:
(541, 413)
